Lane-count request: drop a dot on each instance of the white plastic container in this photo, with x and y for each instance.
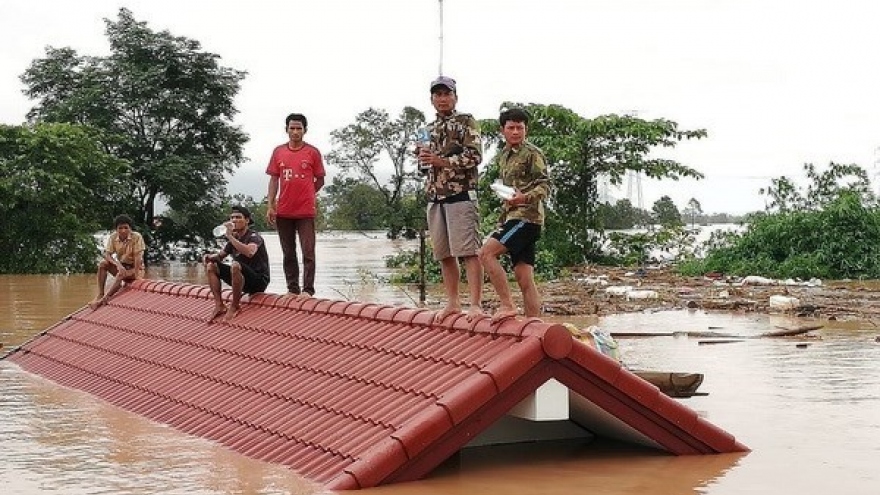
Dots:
(503, 192)
(784, 302)
(642, 294)
(618, 290)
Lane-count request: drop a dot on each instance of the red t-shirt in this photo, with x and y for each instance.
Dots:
(296, 171)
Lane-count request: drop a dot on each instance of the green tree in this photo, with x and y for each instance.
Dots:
(825, 187)
(165, 106)
(578, 151)
(666, 213)
(355, 205)
(57, 188)
(831, 229)
(374, 136)
(621, 215)
(692, 210)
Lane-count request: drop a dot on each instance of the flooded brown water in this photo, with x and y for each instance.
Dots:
(810, 414)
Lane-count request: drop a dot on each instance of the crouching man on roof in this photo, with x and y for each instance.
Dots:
(123, 257)
(249, 271)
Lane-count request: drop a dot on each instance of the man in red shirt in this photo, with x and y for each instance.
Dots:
(296, 174)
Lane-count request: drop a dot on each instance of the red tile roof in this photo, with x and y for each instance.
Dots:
(349, 394)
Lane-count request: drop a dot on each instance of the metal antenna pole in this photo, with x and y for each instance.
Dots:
(440, 68)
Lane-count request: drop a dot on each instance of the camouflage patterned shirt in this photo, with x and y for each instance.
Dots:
(525, 168)
(457, 138)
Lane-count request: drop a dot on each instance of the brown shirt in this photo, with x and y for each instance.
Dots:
(455, 137)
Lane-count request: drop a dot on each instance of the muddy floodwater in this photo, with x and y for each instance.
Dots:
(808, 407)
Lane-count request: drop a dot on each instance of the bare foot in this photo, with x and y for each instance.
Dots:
(303, 295)
(503, 314)
(97, 303)
(441, 315)
(218, 311)
(475, 312)
(231, 313)
(290, 294)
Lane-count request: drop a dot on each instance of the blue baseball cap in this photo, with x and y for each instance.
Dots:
(448, 82)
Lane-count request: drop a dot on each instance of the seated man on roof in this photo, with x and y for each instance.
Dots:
(249, 271)
(123, 257)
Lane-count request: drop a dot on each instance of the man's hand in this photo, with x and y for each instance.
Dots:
(428, 157)
(271, 215)
(517, 199)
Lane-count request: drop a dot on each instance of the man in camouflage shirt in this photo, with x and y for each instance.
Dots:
(450, 166)
(523, 167)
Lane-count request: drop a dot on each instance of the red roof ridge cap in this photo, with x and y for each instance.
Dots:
(370, 310)
(262, 299)
(556, 340)
(375, 464)
(407, 315)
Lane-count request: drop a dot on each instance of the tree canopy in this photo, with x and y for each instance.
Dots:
(830, 229)
(57, 188)
(666, 213)
(164, 105)
(359, 148)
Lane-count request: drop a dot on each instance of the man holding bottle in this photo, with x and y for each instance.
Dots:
(450, 168)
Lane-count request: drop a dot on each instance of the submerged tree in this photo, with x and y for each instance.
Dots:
(57, 188)
(666, 213)
(692, 210)
(165, 106)
(358, 150)
(830, 229)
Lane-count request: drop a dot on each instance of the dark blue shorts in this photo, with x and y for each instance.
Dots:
(519, 237)
(253, 281)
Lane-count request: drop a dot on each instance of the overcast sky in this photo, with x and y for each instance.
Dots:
(776, 83)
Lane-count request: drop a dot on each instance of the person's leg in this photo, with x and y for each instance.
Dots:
(451, 272)
(287, 237)
(253, 281)
(104, 267)
(306, 229)
(214, 284)
(464, 242)
(474, 272)
(448, 265)
(525, 278)
(523, 247)
(237, 286)
(490, 252)
(115, 286)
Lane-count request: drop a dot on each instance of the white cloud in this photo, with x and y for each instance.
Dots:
(776, 84)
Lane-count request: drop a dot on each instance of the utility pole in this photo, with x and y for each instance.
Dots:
(440, 64)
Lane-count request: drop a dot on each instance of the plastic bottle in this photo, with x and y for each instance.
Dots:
(423, 140)
(220, 230)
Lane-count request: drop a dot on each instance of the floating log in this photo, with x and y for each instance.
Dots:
(673, 384)
(787, 332)
(784, 332)
(720, 341)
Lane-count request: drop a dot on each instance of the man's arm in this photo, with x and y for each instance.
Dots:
(215, 257)
(471, 153)
(272, 196)
(539, 187)
(249, 249)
